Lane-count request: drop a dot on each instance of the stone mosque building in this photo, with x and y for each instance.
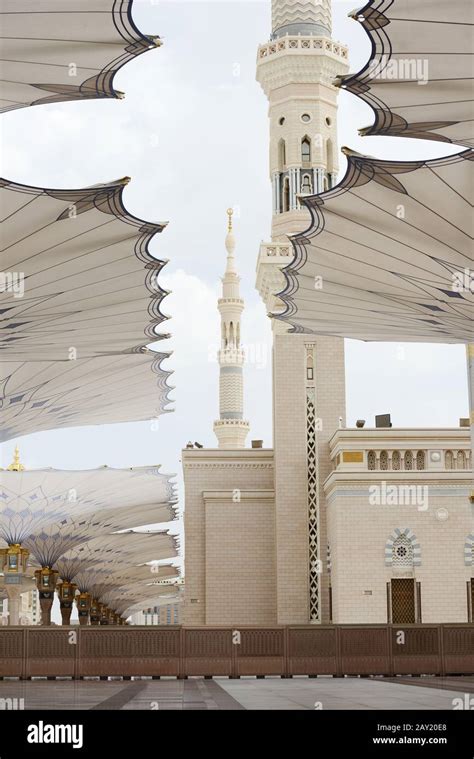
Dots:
(333, 524)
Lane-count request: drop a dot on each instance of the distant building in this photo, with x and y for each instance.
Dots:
(30, 612)
(167, 614)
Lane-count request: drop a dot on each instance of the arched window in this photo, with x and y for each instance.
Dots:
(286, 195)
(402, 553)
(396, 463)
(309, 367)
(306, 185)
(306, 150)
(461, 460)
(384, 461)
(325, 184)
(231, 334)
(282, 154)
(408, 460)
(420, 460)
(449, 460)
(371, 460)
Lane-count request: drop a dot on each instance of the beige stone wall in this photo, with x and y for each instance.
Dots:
(290, 445)
(220, 533)
(240, 553)
(358, 533)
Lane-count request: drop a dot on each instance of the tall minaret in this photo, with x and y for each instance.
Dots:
(296, 70)
(231, 429)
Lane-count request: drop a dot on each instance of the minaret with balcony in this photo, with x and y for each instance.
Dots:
(296, 70)
(231, 429)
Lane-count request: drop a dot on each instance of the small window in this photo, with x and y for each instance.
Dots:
(286, 195)
(420, 460)
(282, 154)
(281, 121)
(306, 150)
(306, 185)
(306, 117)
(328, 121)
(461, 460)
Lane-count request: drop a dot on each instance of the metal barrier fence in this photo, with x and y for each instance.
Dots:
(337, 650)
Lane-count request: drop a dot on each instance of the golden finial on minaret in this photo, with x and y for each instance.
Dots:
(16, 466)
(230, 213)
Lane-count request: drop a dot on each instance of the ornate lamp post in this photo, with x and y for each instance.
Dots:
(84, 604)
(104, 614)
(46, 580)
(13, 561)
(95, 612)
(66, 592)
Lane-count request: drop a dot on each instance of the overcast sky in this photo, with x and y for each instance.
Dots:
(192, 133)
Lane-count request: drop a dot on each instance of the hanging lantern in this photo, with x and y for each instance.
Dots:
(14, 560)
(83, 603)
(104, 614)
(66, 592)
(95, 612)
(46, 580)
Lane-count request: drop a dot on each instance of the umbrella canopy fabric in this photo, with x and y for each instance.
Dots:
(53, 540)
(86, 564)
(388, 254)
(418, 80)
(49, 508)
(79, 303)
(82, 277)
(47, 395)
(59, 50)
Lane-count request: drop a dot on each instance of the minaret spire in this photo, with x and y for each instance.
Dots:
(230, 245)
(16, 465)
(231, 429)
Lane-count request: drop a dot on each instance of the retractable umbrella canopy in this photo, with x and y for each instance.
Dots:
(59, 50)
(388, 254)
(419, 79)
(82, 282)
(87, 563)
(80, 301)
(51, 511)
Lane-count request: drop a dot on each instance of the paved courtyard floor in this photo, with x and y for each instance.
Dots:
(299, 693)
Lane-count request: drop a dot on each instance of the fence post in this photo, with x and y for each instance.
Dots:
(182, 654)
(339, 672)
(234, 648)
(391, 666)
(286, 651)
(77, 655)
(24, 653)
(441, 650)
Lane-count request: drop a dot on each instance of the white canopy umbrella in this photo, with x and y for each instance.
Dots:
(59, 50)
(80, 303)
(418, 80)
